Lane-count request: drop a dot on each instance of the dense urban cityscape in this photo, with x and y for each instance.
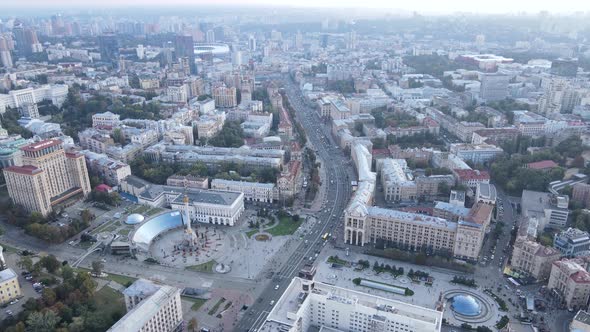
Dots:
(293, 167)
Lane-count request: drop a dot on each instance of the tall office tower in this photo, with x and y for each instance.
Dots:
(48, 176)
(351, 40)
(219, 33)
(109, 47)
(298, 40)
(5, 56)
(26, 40)
(140, 51)
(276, 35)
(324, 40)
(494, 87)
(76, 29)
(251, 43)
(236, 58)
(480, 40)
(210, 36)
(185, 48)
(166, 57)
(57, 24)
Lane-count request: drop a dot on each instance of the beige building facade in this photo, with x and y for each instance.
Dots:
(48, 176)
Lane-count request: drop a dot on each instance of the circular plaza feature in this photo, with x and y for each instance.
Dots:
(262, 237)
(466, 305)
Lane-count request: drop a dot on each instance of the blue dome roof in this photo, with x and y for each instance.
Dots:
(465, 305)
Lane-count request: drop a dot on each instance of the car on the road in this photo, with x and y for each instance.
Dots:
(277, 287)
(9, 312)
(272, 302)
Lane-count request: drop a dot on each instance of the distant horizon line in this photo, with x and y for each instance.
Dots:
(241, 6)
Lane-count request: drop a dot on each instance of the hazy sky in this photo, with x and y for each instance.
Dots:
(441, 6)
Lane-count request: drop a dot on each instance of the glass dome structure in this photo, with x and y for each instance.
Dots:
(465, 305)
(134, 219)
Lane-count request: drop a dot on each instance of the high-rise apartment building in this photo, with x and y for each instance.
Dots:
(494, 87)
(225, 97)
(48, 176)
(5, 56)
(252, 44)
(351, 40)
(26, 40)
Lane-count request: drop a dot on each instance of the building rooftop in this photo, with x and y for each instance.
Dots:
(281, 317)
(27, 169)
(411, 217)
(574, 270)
(471, 174)
(574, 235)
(250, 184)
(543, 164)
(41, 145)
(452, 208)
(137, 317)
(141, 288)
(487, 190)
(479, 213)
(7, 275)
(534, 203)
(583, 317)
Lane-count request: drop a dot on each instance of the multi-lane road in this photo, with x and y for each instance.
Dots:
(338, 172)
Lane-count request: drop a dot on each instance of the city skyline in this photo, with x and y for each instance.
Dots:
(420, 6)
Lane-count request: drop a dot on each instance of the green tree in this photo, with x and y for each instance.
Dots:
(97, 267)
(118, 136)
(49, 296)
(25, 263)
(50, 263)
(86, 215)
(67, 273)
(42, 321)
(231, 135)
(193, 325)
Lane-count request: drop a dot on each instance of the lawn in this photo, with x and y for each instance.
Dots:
(286, 226)
(108, 226)
(109, 301)
(141, 209)
(213, 310)
(8, 248)
(337, 260)
(120, 279)
(197, 303)
(153, 211)
(125, 231)
(204, 267)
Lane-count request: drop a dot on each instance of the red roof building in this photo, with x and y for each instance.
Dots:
(542, 165)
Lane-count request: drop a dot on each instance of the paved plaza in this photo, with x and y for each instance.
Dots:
(424, 295)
